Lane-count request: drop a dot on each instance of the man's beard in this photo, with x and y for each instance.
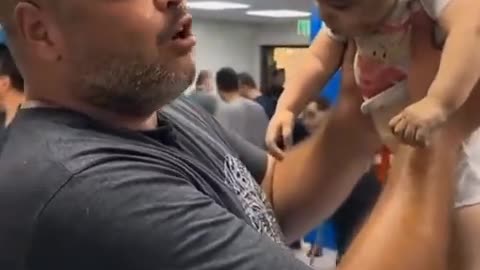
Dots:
(129, 86)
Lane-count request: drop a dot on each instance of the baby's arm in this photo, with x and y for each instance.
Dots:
(459, 69)
(457, 76)
(323, 59)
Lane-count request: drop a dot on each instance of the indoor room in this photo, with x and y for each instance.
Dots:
(239, 134)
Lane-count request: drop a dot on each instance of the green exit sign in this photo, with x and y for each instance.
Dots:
(303, 27)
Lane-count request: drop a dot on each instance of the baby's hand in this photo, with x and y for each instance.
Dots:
(415, 123)
(280, 129)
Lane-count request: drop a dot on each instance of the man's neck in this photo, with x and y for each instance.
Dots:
(140, 123)
(230, 96)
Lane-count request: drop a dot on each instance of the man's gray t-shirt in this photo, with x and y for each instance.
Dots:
(244, 117)
(78, 194)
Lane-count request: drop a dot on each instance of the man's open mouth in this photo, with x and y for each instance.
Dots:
(184, 29)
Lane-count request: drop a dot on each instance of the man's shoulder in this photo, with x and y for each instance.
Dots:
(48, 147)
(48, 136)
(44, 148)
(26, 142)
(30, 177)
(26, 154)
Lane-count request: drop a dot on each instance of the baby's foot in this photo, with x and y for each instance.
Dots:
(415, 123)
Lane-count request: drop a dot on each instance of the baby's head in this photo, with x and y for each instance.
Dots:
(355, 17)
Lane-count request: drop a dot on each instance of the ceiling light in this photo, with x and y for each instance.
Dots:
(280, 13)
(216, 5)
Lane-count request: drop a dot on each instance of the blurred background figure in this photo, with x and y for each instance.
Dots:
(11, 87)
(238, 114)
(248, 86)
(204, 92)
(315, 114)
(349, 218)
(269, 98)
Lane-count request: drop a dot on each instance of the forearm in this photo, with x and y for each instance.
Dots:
(409, 227)
(322, 60)
(316, 176)
(459, 70)
(304, 85)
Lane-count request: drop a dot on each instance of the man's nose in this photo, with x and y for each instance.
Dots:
(164, 5)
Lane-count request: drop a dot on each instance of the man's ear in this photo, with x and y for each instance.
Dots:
(36, 29)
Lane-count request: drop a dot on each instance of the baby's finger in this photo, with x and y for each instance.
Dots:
(287, 136)
(409, 134)
(395, 120)
(421, 138)
(272, 145)
(275, 151)
(399, 127)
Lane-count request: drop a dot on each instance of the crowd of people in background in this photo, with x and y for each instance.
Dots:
(238, 114)
(204, 92)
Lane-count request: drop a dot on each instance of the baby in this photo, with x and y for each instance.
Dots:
(381, 30)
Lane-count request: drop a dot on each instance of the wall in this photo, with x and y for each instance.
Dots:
(221, 44)
(280, 34)
(276, 34)
(238, 44)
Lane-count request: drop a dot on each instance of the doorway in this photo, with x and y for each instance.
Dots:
(273, 58)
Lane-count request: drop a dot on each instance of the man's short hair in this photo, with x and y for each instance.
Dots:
(227, 80)
(202, 77)
(245, 79)
(9, 69)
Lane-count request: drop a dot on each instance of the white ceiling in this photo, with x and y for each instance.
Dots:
(239, 15)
